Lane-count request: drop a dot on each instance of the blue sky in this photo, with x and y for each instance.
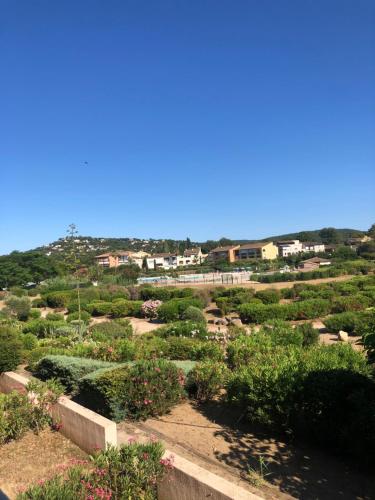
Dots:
(204, 118)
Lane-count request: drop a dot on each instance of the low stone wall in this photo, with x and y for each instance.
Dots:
(85, 428)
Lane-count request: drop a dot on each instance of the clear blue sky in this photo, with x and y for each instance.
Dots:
(199, 118)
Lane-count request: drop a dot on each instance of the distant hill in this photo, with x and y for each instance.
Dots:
(340, 234)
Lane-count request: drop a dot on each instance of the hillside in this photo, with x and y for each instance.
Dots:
(337, 235)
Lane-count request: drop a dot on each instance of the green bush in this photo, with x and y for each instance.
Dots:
(366, 328)
(67, 369)
(207, 379)
(193, 313)
(346, 321)
(189, 348)
(42, 327)
(277, 387)
(356, 302)
(108, 330)
(111, 292)
(29, 341)
(182, 329)
(34, 313)
(147, 388)
(128, 472)
(39, 302)
(10, 349)
(19, 413)
(85, 317)
(99, 308)
(174, 309)
(121, 308)
(259, 313)
(310, 335)
(58, 299)
(55, 316)
(269, 296)
(19, 307)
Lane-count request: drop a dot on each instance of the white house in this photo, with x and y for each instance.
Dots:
(162, 260)
(311, 246)
(290, 247)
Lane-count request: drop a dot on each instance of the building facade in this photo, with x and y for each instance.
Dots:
(261, 250)
(289, 247)
(311, 246)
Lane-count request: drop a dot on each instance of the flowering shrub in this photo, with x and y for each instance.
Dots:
(146, 388)
(150, 308)
(183, 329)
(131, 471)
(30, 411)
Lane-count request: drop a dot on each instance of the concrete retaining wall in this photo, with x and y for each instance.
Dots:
(90, 431)
(188, 481)
(85, 428)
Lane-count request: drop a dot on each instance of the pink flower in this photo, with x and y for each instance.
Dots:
(131, 440)
(146, 456)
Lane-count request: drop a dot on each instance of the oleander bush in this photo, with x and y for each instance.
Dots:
(275, 386)
(138, 391)
(130, 471)
(68, 370)
(207, 379)
(10, 348)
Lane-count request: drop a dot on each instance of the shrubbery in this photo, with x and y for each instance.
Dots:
(182, 329)
(174, 309)
(22, 412)
(147, 388)
(108, 330)
(207, 379)
(19, 307)
(346, 321)
(195, 314)
(306, 309)
(128, 472)
(10, 349)
(67, 369)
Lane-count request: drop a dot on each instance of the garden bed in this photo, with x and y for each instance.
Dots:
(33, 458)
(211, 436)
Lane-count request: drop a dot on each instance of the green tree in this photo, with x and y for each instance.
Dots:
(329, 235)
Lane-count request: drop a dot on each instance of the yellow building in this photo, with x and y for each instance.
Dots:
(261, 250)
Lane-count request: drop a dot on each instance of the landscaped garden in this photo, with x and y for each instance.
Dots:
(268, 365)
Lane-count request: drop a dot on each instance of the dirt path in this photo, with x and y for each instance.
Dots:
(212, 436)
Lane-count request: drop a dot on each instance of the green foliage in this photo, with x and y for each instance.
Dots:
(164, 294)
(147, 388)
(85, 317)
(122, 307)
(29, 341)
(67, 369)
(52, 316)
(174, 309)
(306, 309)
(19, 307)
(111, 330)
(18, 268)
(310, 335)
(10, 349)
(346, 321)
(207, 379)
(284, 386)
(269, 296)
(127, 472)
(366, 328)
(34, 314)
(356, 302)
(99, 308)
(195, 314)
(43, 327)
(182, 329)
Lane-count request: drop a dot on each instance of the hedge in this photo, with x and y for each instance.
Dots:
(174, 309)
(10, 349)
(68, 369)
(182, 329)
(138, 391)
